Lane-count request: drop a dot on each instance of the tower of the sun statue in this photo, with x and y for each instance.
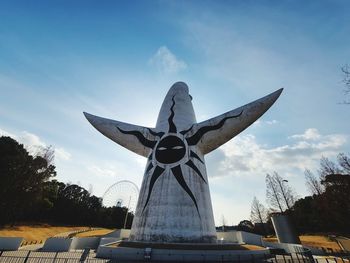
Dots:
(174, 203)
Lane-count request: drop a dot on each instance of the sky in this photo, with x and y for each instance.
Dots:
(117, 59)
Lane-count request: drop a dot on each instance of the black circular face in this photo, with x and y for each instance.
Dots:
(171, 149)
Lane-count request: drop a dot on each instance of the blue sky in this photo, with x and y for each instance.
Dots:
(117, 60)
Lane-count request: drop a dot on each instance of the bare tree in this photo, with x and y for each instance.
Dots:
(278, 193)
(327, 167)
(313, 183)
(344, 162)
(346, 71)
(286, 191)
(47, 152)
(258, 212)
(273, 196)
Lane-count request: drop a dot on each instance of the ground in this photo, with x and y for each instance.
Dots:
(188, 246)
(36, 232)
(319, 241)
(95, 233)
(40, 232)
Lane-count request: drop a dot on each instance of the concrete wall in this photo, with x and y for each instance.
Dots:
(10, 243)
(284, 229)
(249, 238)
(239, 237)
(228, 237)
(344, 243)
(289, 248)
(84, 242)
(123, 253)
(57, 244)
(108, 240)
(120, 233)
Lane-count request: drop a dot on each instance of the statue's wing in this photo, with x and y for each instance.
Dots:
(210, 134)
(137, 139)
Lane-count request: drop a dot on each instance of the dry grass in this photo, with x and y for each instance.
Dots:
(95, 233)
(271, 239)
(313, 241)
(35, 232)
(319, 241)
(252, 247)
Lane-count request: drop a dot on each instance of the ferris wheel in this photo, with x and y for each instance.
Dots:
(121, 194)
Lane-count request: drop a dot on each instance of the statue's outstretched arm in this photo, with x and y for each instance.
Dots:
(137, 139)
(210, 134)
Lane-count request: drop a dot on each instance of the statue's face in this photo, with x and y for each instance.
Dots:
(170, 149)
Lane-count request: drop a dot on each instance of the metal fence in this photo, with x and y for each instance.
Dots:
(90, 257)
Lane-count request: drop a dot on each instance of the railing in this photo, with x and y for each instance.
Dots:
(75, 257)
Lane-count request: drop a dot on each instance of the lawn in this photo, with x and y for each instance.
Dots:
(313, 241)
(37, 232)
(95, 233)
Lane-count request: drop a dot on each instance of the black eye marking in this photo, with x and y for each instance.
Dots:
(170, 149)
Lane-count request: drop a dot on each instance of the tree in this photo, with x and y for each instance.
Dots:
(278, 194)
(29, 193)
(273, 196)
(22, 177)
(246, 225)
(346, 80)
(314, 185)
(344, 162)
(328, 211)
(258, 212)
(258, 215)
(327, 167)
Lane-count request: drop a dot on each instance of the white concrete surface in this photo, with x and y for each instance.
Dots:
(120, 234)
(84, 242)
(10, 243)
(250, 238)
(230, 236)
(178, 255)
(174, 204)
(57, 244)
(108, 240)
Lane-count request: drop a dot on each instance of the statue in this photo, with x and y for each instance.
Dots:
(174, 204)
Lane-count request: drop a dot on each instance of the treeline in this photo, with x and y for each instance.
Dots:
(29, 193)
(327, 209)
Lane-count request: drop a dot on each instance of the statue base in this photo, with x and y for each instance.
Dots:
(127, 251)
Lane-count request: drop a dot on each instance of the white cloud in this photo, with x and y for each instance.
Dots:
(62, 154)
(98, 171)
(31, 141)
(244, 156)
(166, 61)
(5, 133)
(309, 134)
(272, 122)
(259, 123)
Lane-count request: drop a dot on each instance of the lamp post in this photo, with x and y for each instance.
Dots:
(127, 212)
